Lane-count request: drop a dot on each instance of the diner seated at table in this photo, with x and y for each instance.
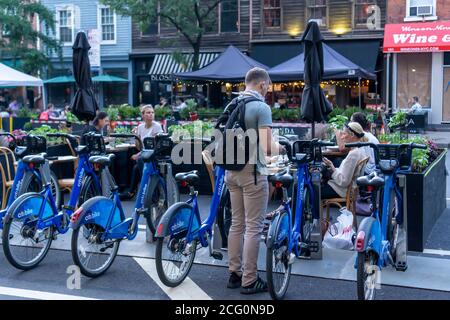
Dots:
(100, 121)
(338, 180)
(149, 128)
(361, 118)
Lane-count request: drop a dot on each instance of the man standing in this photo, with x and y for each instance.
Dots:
(416, 106)
(249, 192)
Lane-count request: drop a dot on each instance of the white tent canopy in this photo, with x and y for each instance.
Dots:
(10, 77)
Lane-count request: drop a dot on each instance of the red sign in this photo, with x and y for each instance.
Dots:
(417, 37)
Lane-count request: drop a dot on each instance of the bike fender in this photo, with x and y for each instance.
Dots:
(28, 204)
(96, 210)
(274, 235)
(174, 219)
(372, 230)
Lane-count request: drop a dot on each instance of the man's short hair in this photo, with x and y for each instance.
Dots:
(257, 75)
(360, 118)
(147, 106)
(416, 99)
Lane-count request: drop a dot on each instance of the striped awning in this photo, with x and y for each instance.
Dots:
(165, 64)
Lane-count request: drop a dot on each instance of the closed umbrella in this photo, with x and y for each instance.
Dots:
(315, 107)
(83, 105)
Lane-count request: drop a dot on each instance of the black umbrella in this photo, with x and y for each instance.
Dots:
(83, 105)
(315, 107)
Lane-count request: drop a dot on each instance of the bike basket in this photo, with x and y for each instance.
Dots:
(35, 144)
(313, 152)
(395, 152)
(95, 144)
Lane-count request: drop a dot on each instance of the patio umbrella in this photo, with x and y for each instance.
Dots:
(83, 105)
(315, 107)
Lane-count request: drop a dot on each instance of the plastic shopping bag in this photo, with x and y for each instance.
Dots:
(340, 234)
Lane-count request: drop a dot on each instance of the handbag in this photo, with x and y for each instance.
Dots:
(363, 205)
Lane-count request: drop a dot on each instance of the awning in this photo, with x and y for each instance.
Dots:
(11, 77)
(165, 64)
(108, 78)
(417, 37)
(60, 79)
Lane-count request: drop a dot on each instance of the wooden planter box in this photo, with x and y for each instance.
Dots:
(426, 202)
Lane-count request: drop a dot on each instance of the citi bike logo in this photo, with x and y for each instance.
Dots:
(74, 279)
(91, 216)
(80, 180)
(24, 213)
(16, 193)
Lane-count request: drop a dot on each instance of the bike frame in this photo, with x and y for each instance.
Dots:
(84, 168)
(121, 231)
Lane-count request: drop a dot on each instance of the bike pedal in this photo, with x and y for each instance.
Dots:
(217, 255)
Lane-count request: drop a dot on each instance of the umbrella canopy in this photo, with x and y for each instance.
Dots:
(336, 66)
(83, 105)
(232, 65)
(10, 77)
(315, 107)
(61, 79)
(108, 78)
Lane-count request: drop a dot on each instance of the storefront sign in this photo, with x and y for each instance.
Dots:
(417, 37)
(160, 77)
(94, 52)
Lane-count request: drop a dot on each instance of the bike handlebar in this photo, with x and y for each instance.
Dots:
(7, 134)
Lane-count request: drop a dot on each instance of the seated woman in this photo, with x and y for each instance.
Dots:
(341, 177)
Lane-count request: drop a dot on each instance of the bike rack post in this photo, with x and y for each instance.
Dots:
(316, 235)
(402, 238)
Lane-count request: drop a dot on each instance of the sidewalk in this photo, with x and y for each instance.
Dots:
(441, 138)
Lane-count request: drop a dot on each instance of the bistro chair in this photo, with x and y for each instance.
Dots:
(350, 199)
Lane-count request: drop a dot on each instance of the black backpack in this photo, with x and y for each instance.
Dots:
(232, 124)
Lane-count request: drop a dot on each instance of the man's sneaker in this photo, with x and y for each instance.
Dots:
(258, 286)
(234, 281)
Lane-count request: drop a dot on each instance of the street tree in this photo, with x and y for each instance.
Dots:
(19, 34)
(191, 18)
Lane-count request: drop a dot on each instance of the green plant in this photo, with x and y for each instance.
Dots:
(184, 113)
(28, 126)
(44, 130)
(336, 112)
(70, 117)
(195, 129)
(338, 122)
(162, 113)
(290, 114)
(276, 114)
(398, 120)
(113, 113)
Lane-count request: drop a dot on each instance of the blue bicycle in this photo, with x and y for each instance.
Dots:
(100, 224)
(26, 178)
(376, 240)
(290, 236)
(33, 220)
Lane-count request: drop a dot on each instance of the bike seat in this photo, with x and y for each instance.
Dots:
(82, 149)
(35, 159)
(388, 166)
(301, 157)
(147, 155)
(372, 180)
(104, 161)
(190, 177)
(283, 178)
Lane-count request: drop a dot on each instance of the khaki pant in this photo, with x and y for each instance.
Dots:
(248, 206)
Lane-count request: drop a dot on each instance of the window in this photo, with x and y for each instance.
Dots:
(115, 92)
(417, 10)
(272, 13)
(363, 10)
(317, 11)
(229, 16)
(413, 79)
(107, 19)
(152, 29)
(66, 22)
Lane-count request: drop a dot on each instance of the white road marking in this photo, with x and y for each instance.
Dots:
(437, 252)
(142, 227)
(188, 290)
(40, 295)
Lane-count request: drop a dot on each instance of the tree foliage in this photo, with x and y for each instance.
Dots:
(191, 18)
(19, 38)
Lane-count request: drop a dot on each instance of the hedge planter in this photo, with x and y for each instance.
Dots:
(426, 201)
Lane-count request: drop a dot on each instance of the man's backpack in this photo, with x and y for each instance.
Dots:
(233, 147)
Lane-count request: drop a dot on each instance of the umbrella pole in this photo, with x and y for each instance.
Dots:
(313, 130)
(359, 90)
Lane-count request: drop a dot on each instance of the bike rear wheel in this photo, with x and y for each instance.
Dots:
(92, 255)
(224, 216)
(23, 244)
(277, 261)
(366, 277)
(174, 257)
(31, 184)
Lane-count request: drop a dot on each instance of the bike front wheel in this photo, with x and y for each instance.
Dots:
(366, 277)
(277, 259)
(25, 246)
(92, 255)
(174, 256)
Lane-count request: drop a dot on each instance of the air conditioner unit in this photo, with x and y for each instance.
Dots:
(421, 11)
